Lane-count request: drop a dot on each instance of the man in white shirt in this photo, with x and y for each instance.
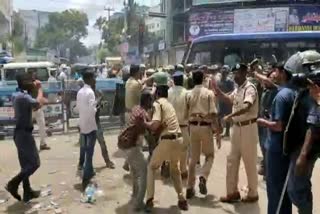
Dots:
(63, 73)
(86, 104)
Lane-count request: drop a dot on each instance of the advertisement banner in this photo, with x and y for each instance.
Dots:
(212, 22)
(304, 18)
(261, 20)
(202, 2)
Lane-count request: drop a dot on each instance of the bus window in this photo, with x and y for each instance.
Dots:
(202, 58)
(41, 73)
(10, 74)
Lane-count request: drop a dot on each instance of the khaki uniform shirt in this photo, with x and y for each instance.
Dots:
(165, 113)
(133, 93)
(246, 93)
(201, 104)
(177, 96)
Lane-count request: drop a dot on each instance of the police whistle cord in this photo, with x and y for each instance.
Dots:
(284, 189)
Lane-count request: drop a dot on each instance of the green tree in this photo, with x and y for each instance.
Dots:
(114, 29)
(64, 30)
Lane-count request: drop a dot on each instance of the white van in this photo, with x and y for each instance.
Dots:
(42, 70)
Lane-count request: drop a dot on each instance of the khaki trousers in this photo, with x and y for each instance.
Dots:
(244, 142)
(201, 142)
(167, 150)
(184, 153)
(38, 115)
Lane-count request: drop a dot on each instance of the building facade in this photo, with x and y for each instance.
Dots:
(33, 20)
(156, 27)
(6, 11)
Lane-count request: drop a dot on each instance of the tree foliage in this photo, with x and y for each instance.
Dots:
(64, 30)
(113, 30)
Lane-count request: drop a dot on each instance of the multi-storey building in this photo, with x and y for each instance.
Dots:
(33, 20)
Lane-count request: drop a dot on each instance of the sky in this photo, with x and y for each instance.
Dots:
(94, 9)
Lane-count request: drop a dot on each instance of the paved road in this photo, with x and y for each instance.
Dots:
(58, 174)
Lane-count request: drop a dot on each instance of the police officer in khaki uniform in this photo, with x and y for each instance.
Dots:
(133, 89)
(177, 96)
(165, 121)
(244, 138)
(202, 115)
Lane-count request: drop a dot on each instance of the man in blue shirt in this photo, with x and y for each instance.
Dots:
(277, 164)
(306, 153)
(24, 104)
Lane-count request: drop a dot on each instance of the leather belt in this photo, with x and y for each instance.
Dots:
(245, 123)
(183, 126)
(171, 136)
(26, 129)
(196, 123)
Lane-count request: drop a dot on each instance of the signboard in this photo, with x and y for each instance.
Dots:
(201, 2)
(162, 45)
(260, 20)
(304, 18)
(211, 22)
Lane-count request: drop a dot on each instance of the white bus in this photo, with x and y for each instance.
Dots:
(42, 70)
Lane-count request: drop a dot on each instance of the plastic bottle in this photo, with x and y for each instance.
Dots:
(91, 193)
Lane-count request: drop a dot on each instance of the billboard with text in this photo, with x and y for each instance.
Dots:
(304, 18)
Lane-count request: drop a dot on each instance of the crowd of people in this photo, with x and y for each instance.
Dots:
(180, 111)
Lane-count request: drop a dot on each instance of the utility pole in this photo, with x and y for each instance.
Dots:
(109, 9)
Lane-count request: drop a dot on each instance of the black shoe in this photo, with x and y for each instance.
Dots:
(29, 195)
(110, 165)
(126, 167)
(13, 190)
(85, 183)
(183, 205)
(190, 193)
(139, 207)
(44, 147)
(203, 186)
(149, 205)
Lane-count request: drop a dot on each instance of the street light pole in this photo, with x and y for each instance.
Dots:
(109, 9)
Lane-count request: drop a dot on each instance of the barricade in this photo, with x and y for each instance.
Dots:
(61, 114)
(110, 114)
(53, 110)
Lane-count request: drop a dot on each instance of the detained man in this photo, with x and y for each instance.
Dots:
(130, 141)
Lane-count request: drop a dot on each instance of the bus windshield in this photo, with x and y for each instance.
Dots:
(230, 52)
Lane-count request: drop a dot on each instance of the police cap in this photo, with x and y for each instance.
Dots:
(240, 67)
(178, 74)
(213, 67)
(226, 68)
(203, 67)
(179, 67)
(160, 78)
